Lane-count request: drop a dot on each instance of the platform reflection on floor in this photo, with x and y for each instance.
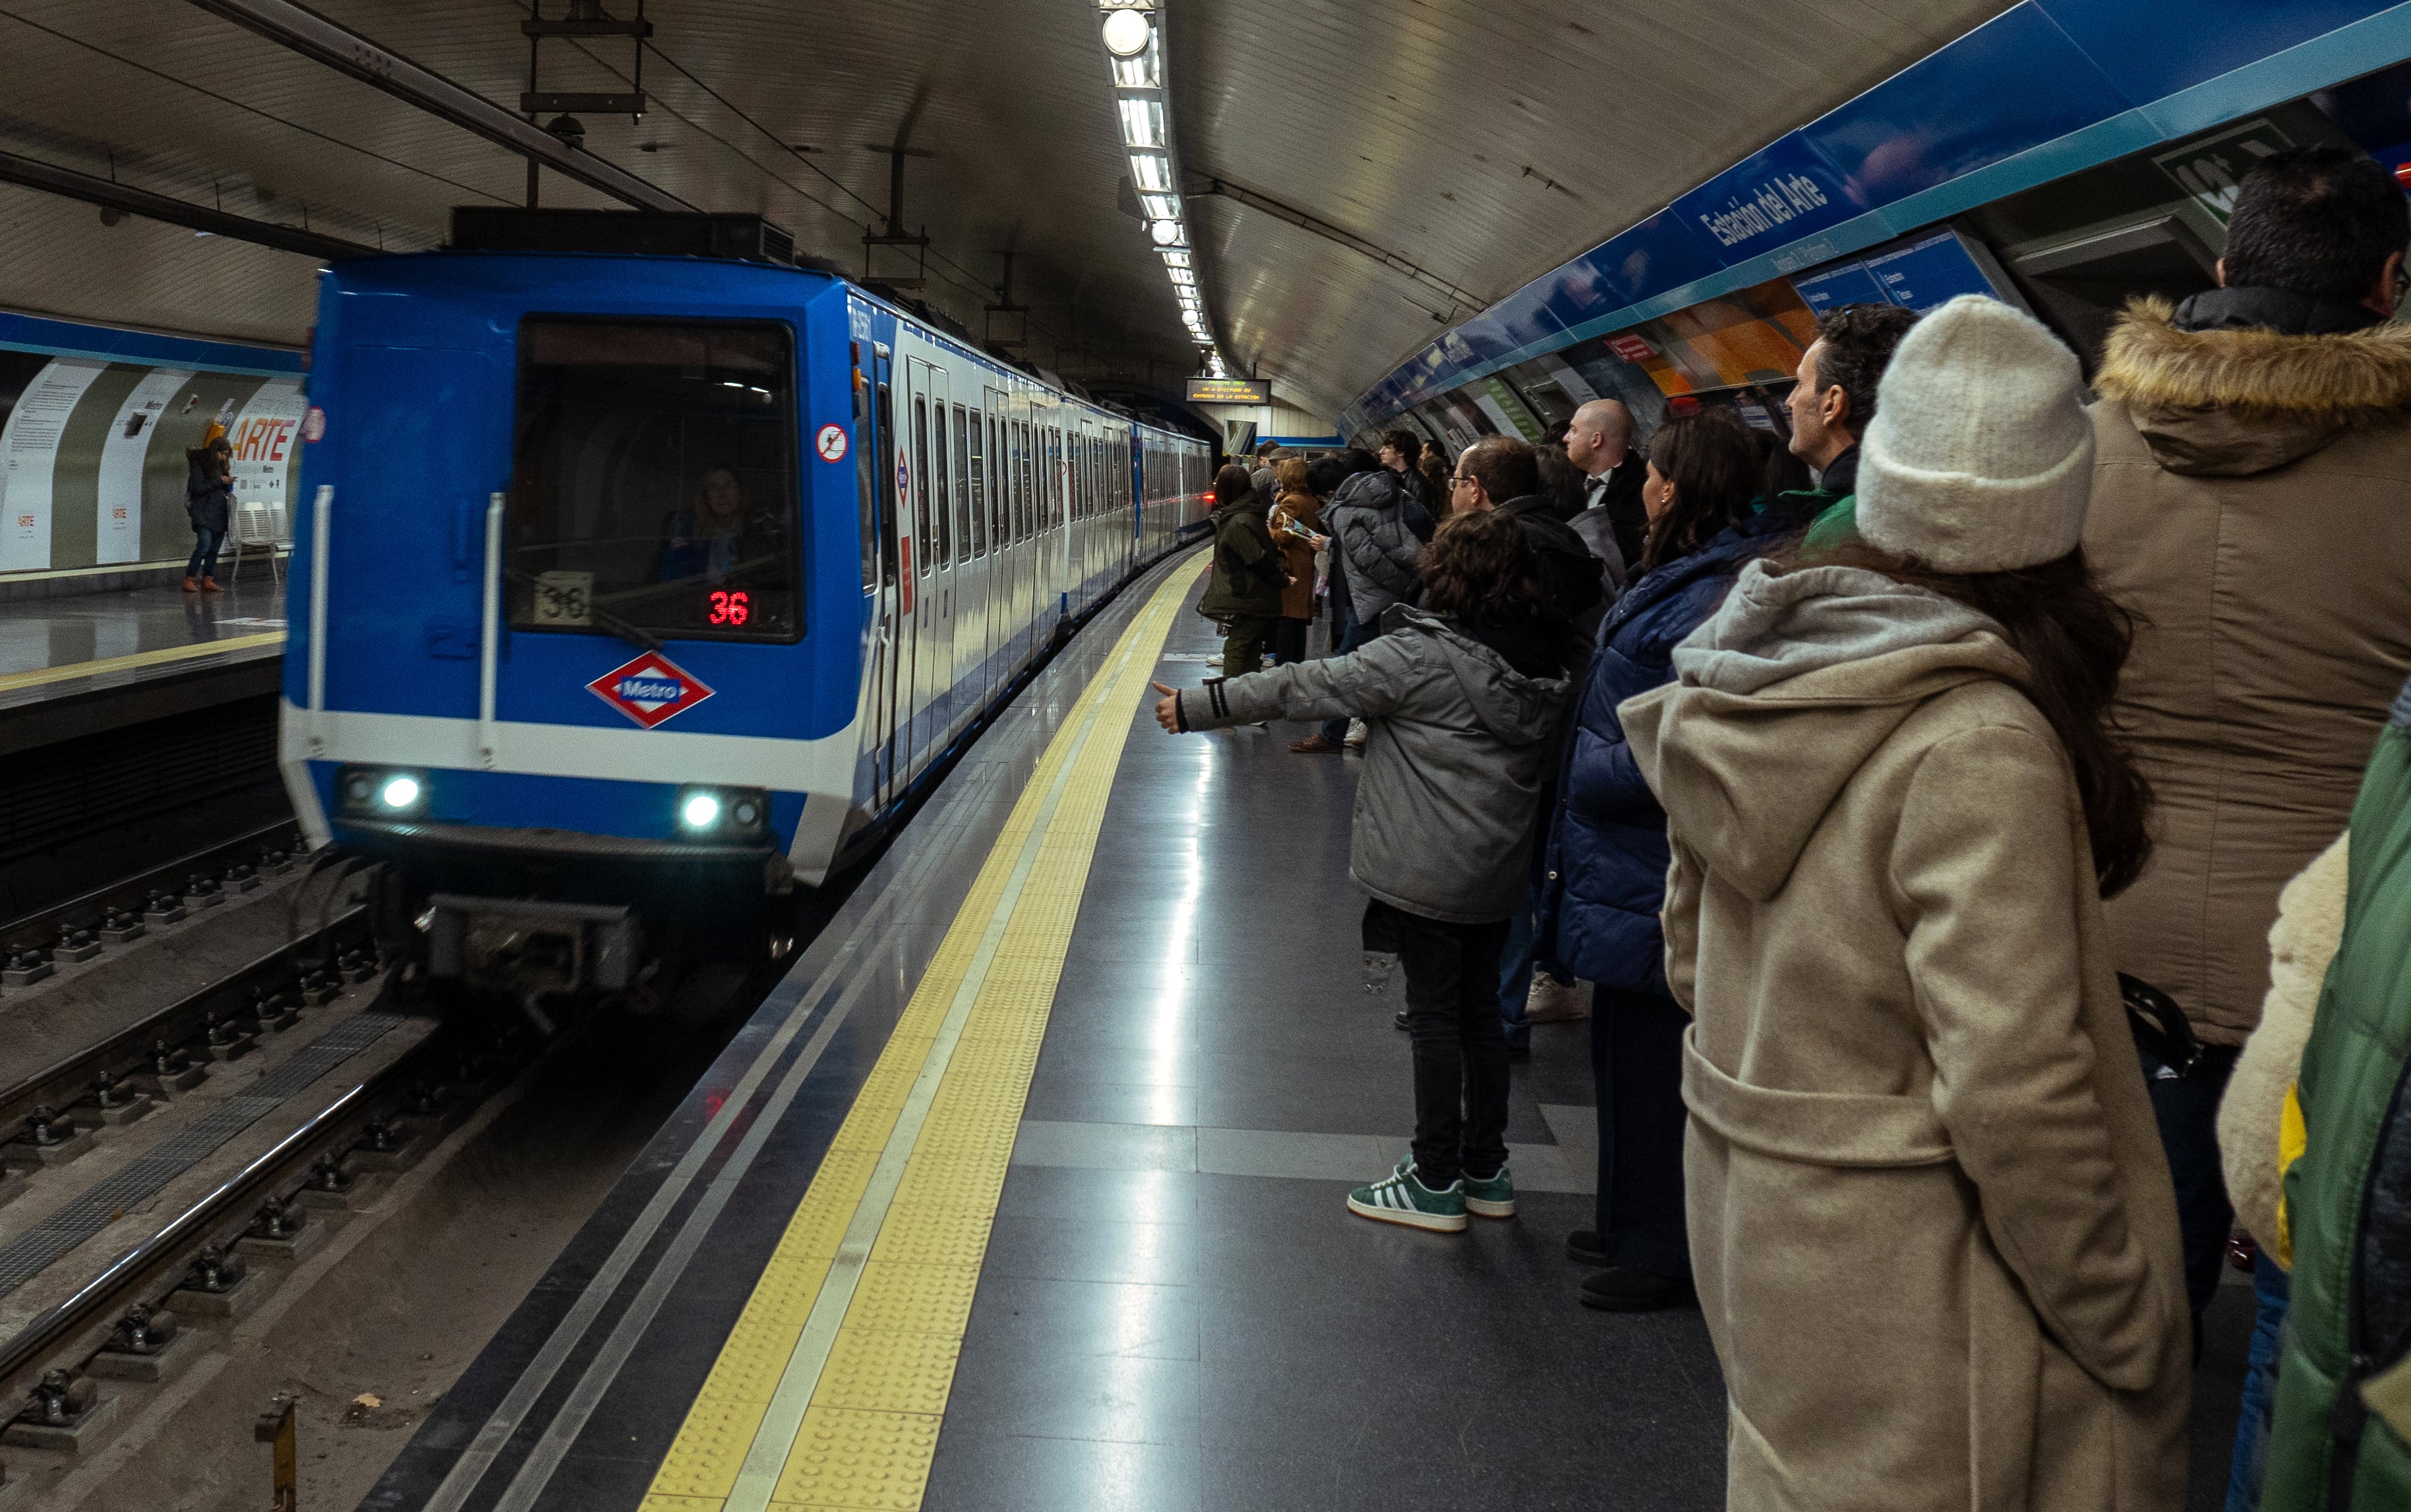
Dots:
(51, 646)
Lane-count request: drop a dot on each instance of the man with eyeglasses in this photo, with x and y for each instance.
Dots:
(1503, 473)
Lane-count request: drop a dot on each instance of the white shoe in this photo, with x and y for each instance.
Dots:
(1552, 1001)
(1355, 735)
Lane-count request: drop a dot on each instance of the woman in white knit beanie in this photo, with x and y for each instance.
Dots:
(1931, 1223)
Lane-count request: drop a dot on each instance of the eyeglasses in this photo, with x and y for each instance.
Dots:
(1460, 480)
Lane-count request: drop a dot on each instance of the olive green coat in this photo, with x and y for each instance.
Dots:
(1247, 572)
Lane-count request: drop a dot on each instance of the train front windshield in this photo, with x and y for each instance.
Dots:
(653, 480)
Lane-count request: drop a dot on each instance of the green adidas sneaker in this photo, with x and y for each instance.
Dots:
(1490, 1197)
(1401, 1197)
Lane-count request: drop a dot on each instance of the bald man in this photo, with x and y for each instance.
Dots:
(1599, 440)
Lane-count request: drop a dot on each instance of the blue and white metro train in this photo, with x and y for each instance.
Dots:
(640, 588)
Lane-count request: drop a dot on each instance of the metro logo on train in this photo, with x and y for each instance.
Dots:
(650, 689)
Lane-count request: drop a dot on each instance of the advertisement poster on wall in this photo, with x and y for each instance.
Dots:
(29, 448)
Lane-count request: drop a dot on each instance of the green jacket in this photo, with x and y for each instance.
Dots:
(2343, 1382)
(1833, 519)
(1247, 570)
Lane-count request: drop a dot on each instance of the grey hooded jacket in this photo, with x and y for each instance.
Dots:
(1457, 747)
(1372, 536)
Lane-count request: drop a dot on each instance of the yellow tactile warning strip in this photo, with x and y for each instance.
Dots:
(832, 1385)
(139, 659)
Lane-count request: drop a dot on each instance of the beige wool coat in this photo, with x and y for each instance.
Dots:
(2252, 508)
(1931, 1223)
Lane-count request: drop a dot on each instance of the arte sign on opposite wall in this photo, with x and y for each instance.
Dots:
(92, 452)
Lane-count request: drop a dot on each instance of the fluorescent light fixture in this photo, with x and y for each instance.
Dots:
(1134, 54)
(1145, 71)
(1143, 123)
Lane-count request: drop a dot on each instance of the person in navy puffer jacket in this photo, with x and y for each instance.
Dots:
(1607, 857)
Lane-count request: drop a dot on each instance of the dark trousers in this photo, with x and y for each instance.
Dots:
(1346, 635)
(2186, 1108)
(1243, 646)
(1460, 1056)
(1636, 1065)
(204, 562)
(1289, 640)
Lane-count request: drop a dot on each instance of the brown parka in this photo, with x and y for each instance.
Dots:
(2252, 508)
(1302, 509)
(1931, 1223)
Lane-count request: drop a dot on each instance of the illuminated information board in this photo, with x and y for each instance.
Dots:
(1229, 391)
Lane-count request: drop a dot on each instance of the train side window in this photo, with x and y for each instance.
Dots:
(941, 495)
(655, 485)
(979, 482)
(964, 512)
(921, 531)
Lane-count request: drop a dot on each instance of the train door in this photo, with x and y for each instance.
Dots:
(970, 605)
(997, 495)
(1025, 532)
(874, 429)
(1057, 584)
(932, 635)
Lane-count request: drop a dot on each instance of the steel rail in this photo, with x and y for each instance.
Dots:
(71, 1078)
(347, 52)
(74, 1326)
(40, 926)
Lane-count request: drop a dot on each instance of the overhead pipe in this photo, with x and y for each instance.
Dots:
(32, 174)
(347, 52)
(1267, 205)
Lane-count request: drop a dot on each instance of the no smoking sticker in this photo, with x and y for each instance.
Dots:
(831, 442)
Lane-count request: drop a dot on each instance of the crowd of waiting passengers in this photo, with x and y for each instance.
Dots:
(1988, 857)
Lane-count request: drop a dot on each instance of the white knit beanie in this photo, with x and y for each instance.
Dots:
(1979, 457)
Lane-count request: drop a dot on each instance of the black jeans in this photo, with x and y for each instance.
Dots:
(1243, 648)
(2186, 1108)
(1636, 1065)
(1289, 640)
(1460, 1050)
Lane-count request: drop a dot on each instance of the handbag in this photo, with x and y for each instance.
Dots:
(2158, 1024)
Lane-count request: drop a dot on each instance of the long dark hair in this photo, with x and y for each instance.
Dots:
(2074, 639)
(1232, 483)
(1480, 568)
(1713, 466)
(1562, 484)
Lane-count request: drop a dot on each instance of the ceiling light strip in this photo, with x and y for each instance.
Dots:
(1132, 32)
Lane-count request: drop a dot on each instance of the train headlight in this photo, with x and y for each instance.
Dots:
(706, 813)
(381, 793)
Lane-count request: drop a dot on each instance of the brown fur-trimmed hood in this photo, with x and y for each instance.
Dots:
(2235, 402)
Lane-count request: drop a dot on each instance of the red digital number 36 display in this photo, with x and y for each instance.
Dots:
(731, 608)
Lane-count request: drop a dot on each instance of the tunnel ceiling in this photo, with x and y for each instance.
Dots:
(1483, 142)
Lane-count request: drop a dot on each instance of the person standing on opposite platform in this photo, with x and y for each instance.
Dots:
(2252, 463)
(209, 494)
(1294, 524)
(1244, 595)
(1599, 441)
(1604, 875)
(1462, 698)
(1935, 1236)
